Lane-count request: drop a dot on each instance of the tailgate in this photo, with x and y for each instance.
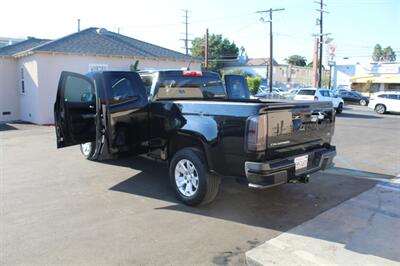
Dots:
(304, 124)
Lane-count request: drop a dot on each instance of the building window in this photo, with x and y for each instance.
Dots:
(22, 81)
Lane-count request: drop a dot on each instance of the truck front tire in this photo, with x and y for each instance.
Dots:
(189, 176)
(87, 149)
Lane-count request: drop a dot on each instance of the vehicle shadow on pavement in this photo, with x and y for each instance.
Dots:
(279, 208)
(7, 127)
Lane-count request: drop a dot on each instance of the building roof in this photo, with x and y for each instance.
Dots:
(102, 42)
(4, 41)
(251, 62)
(29, 43)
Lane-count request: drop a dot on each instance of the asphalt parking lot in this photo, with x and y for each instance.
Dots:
(57, 208)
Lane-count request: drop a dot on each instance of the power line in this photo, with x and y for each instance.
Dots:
(193, 22)
(270, 11)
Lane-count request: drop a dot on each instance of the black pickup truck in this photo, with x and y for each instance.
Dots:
(203, 127)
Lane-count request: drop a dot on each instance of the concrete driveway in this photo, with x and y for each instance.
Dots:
(57, 207)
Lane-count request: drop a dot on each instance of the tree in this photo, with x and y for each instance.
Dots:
(377, 54)
(219, 50)
(386, 54)
(389, 54)
(296, 60)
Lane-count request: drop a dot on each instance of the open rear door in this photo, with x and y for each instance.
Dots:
(75, 110)
(236, 86)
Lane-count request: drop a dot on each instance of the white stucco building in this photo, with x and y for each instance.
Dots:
(29, 70)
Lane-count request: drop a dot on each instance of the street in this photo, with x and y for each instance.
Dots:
(58, 208)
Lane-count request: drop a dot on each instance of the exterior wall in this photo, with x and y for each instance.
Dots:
(50, 67)
(9, 92)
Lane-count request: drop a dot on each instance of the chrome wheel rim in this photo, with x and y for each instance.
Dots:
(186, 177)
(363, 102)
(380, 109)
(86, 148)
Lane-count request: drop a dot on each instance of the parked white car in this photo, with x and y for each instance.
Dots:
(383, 102)
(314, 94)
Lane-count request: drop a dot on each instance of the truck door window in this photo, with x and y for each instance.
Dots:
(78, 90)
(122, 89)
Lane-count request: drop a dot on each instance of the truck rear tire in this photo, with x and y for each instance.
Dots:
(189, 176)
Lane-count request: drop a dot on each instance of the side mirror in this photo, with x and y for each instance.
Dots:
(236, 86)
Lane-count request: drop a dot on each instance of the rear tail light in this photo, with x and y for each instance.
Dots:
(315, 98)
(256, 133)
(191, 73)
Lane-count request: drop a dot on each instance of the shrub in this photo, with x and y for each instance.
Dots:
(254, 84)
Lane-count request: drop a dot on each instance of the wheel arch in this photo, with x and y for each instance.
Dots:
(187, 139)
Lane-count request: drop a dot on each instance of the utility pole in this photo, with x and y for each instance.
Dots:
(315, 76)
(206, 51)
(270, 67)
(321, 36)
(79, 24)
(186, 39)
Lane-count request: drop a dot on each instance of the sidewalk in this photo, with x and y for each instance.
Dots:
(364, 230)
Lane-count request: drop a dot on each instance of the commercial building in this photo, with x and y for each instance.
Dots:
(372, 77)
(377, 76)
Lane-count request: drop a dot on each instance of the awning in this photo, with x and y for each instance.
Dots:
(375, 79)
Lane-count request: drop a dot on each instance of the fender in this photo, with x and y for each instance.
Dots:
(200, 132)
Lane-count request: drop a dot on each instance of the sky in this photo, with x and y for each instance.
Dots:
(355, 25)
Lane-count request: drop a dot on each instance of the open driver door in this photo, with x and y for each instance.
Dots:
(75, 110)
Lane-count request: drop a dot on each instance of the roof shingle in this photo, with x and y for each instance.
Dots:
(103, 42)
(10, 50)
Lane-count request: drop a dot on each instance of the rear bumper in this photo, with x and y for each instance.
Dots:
(280, 171)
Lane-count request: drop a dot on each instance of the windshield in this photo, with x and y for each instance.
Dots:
(178, 86)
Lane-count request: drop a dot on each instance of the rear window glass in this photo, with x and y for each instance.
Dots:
(179, 87)
(306, 92)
